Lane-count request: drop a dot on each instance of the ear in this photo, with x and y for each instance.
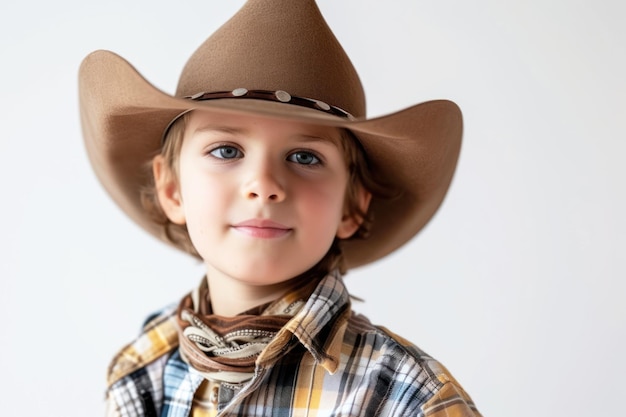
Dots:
(350, 222)
(168, 191)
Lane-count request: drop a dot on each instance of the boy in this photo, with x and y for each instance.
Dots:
(264, 166)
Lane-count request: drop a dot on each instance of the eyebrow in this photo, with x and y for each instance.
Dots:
(313, 138)
(240, 131)
(219, 129)
(321, 139)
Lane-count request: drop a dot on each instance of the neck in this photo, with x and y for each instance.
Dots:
(230, 296)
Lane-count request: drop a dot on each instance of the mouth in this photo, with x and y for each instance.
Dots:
(262, 228)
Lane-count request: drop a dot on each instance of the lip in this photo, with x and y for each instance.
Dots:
(262, 228)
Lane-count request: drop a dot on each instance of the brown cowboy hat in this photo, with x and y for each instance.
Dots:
(279, 59)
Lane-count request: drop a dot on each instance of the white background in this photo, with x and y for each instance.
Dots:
(517, 285)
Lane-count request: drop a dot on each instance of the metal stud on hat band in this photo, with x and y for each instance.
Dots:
(278, 96)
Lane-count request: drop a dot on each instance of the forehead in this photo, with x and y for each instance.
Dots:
(200, 122)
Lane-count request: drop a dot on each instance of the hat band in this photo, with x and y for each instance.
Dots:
(277, 96)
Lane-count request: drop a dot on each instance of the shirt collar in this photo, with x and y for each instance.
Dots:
(319, 326)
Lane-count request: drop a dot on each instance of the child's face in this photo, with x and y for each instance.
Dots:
(262, 199)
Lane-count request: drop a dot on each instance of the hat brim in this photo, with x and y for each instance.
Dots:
(416, 150)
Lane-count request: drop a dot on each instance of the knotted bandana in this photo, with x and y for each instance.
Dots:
(224, 349)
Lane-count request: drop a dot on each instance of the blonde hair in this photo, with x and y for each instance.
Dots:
(359, 176)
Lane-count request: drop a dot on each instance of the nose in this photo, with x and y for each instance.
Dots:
(264, 185)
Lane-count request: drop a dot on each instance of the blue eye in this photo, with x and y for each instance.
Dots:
(304, 158)
(226, 152)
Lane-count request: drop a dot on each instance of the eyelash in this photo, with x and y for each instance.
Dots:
(217, 152)
(221, 148)
(293, 155)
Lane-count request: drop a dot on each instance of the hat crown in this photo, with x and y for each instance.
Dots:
(276, 45)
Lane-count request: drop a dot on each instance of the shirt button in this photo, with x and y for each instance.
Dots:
(215, 395)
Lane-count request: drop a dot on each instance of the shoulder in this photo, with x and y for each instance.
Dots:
(407, 377)
(382, 344)
(158, 337)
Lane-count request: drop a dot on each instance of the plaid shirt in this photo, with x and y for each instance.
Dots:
(326, 361)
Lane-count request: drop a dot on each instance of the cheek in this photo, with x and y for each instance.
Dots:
(204, 198)
(325, 202)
